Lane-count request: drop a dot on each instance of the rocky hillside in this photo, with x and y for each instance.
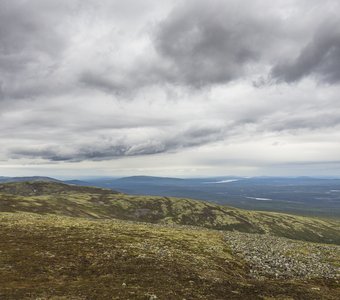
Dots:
(96, 203)
(270, 256)
(57, 257)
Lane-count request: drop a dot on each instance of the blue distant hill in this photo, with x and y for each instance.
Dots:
(301, 195)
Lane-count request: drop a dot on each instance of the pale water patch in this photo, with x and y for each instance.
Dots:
(260, 199)
(222, 181)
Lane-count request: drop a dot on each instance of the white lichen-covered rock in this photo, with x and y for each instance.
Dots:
(277, 257)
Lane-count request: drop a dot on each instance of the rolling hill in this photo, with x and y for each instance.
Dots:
(294, 195)
(30, 178)
(299, 195)
(98, 203)
(60, 241)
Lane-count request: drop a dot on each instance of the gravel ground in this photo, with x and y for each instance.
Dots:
(270, 256)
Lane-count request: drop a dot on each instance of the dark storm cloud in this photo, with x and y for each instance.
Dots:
(320, 57)
(97, 149)
(31, 46)
(214, 42)
(52, 48)
(28, 28)
(56, 154)
(68, 67)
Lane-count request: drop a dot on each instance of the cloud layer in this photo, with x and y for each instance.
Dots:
(83, 81)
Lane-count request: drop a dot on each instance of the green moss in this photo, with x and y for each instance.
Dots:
(58, 257)
(60, 199)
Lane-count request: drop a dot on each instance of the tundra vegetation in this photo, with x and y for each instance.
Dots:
(60, 241)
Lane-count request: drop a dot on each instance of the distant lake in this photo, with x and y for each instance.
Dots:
(260, 199)
(222, 181)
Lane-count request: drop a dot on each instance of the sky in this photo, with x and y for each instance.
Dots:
(181, 88)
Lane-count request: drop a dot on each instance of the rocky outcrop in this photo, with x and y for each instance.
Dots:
(270, 256)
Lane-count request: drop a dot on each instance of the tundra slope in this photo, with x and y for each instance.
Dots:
(60, 241)
(97, 203)
(58, 257)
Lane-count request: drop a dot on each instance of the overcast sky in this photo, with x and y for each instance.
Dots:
(171, 88)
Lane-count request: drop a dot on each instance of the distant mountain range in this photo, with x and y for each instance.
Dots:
(300, 195)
